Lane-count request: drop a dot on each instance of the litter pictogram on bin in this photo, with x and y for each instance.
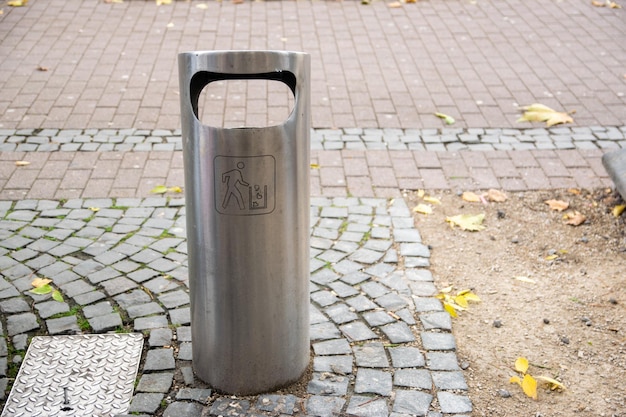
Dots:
(244, 185)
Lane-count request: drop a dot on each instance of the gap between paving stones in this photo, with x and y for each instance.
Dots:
(381, 342)
(447, 139)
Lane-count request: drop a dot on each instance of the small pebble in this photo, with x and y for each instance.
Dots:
(464, 365)
(565, 340)
(497, 323)
(546, 321)
(501, 214)
(515, 240)
(612, 301)
(504, 393)
(552, 252)
(584, 239)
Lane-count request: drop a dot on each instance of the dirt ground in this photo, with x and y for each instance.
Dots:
(550, 292)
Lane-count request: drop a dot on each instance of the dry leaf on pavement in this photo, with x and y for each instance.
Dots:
(574, 218)
(496, 196)
(541, 113)
(471, 197)
(557, 205)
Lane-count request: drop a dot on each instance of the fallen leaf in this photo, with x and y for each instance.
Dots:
(472, 223)
(446, 290)
(56, 295)
(574, 218)
(552, 383)
(17, 3)
(614, 5)
(575, 191)
(557, 205)
(21, 163)
(44, 289)
(40, 282)
(94, 209)
(202, 6)
(448, 119)
(551, 257)
(423, 209)
(496, 196)
(160, 2)
(315, 166)
(460, 300)
(529, 385)
(420, 193)
(432, 200)
(521, 365)
(42, 68)
(471, 197)
(470, 296)
(516, 380)
(159, 189)
(395, 5)
(524, 279)
(450, 309)
(541, 113)
(618, 210)
(175, 189)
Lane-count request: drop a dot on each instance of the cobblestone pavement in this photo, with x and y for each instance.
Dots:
(381, 343)
(92, 163)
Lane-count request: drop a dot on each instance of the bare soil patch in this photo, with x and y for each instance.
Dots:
(566, 315)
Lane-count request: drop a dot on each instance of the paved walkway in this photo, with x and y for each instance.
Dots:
(89, 99)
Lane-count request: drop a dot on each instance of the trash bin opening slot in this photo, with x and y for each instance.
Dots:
(205, 103)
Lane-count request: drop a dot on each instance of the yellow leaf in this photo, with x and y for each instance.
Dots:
(521, 365)
(575, 191)
(515, 380)
(553, 383)
(40, 282)
(175, 189)
(450, 309)
(471, 197)
(618, 210)
(420, 193)
(432, 200)
(448, 119)
(460, 300)
(472, 223)
(614, 5)
(557, 205)
(21, 163)
(445, 290)
(315, 166)
(496, 196)
(540, 113)
(529, 385)
(551, 257)
(524, 279)
(423, 209)
(470, 296)
(159, 189)
(575, 218)
(17, 3)
(94, 209)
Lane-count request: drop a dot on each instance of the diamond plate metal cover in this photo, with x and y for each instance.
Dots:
(84, 375)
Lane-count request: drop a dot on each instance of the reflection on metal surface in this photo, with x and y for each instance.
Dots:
(83, 375)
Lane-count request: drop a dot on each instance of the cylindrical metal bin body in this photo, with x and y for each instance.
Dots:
(247, 207)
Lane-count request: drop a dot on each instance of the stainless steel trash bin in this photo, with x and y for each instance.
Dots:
(247, 205)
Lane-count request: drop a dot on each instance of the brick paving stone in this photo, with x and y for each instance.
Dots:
(332, 347)
(63, 325)
(21, 323)
(319, 405)
(328, 384)
(183, 409)
(152, 322)
(338, 364)
(370, 355)
(453, 403)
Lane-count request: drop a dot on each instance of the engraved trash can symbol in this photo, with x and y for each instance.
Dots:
(247, 206)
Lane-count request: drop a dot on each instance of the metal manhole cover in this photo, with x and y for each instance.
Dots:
(85, 375)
